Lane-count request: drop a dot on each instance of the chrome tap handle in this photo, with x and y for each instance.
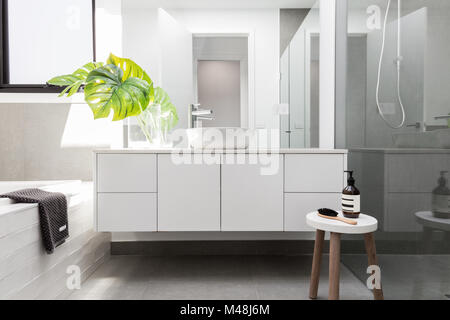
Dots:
(205, 118)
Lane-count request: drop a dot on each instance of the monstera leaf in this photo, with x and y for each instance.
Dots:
(107, 88)
(169, 115)
(131, 69)
(74, 81)
(124, 87)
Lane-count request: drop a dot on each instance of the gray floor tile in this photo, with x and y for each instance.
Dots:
(212, 277)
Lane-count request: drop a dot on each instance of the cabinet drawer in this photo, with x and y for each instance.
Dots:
(314, 173)
(126, 173)
(126, 212)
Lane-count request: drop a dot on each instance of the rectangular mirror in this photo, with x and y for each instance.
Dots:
(245, 64)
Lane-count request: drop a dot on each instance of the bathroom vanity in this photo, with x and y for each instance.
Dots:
(183, 190)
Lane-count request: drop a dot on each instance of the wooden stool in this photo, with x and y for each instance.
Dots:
(366, 226)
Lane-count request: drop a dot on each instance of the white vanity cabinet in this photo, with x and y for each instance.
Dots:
(126, 212)
(298, 205)
(188, 195)
(125, 192)
(314, 173)
(311, 181)
(153, 191)
(252, 200)
(126, 173)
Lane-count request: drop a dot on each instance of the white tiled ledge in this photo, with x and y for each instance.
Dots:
(206, 151)
(30, 98)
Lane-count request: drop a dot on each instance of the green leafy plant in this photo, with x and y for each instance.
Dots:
(106, 89)
(120, 85)
(74, 81)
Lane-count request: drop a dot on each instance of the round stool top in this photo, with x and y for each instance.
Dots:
(366, 224)
(427, 219)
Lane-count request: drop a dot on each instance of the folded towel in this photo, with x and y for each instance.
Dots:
(52, 214)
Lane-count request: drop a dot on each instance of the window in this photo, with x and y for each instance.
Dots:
(41, 39)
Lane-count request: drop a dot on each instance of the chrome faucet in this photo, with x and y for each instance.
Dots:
(196, 114)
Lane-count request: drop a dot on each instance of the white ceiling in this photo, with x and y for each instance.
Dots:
(218, 4)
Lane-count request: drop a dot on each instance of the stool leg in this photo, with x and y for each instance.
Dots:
(335, 261)
(369, 241)
(315, 272)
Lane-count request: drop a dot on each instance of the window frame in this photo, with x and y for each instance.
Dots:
(5, 86)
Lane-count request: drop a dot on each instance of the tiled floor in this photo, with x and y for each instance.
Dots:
(404, 277)
(212, 277)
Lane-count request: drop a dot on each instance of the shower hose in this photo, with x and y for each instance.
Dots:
(398, 64)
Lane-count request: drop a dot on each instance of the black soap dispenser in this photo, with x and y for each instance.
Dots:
(351, 198)
(441, 198)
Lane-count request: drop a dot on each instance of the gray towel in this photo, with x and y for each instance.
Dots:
(52, 214)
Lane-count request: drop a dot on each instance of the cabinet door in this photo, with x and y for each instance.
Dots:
(188, 196)
(298, 205)
(126, 212)
(252, 201)
(126, 173)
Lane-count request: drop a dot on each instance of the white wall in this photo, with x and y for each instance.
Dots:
(176, 67)
(140, 39)
(108, 21)
(327, 73)
(300, 57)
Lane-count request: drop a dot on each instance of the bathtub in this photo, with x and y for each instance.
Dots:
(26, 270)
(70, 188)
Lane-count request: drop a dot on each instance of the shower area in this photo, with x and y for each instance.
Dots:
(396, 124)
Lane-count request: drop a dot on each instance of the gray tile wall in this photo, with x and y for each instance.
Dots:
(30, 144)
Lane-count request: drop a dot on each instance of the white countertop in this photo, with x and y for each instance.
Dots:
(216, 151)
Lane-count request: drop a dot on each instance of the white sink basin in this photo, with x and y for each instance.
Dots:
(438, 139)
(219, 138)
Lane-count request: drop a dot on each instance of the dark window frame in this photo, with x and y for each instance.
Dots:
(5, 86)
